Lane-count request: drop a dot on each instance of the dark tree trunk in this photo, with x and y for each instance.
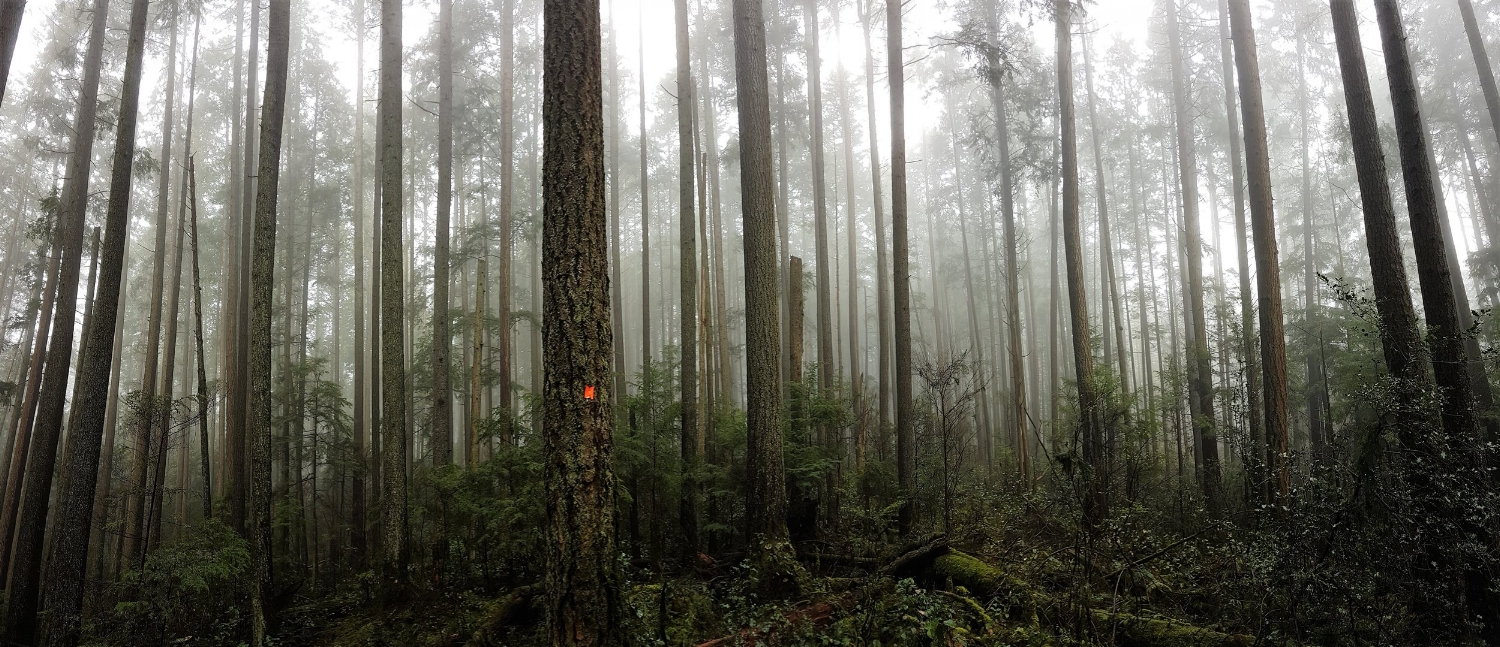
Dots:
(1083, 358)
(442, 340)
(1253, 462)
(906, 433)
(204, 403)
(395, 534)
(583, 577)
(688, 287)
(1263, 227)
(32, 513)
(765, 500)
(65, 577)
(262, 271)
(1476, 47)
(358, 523)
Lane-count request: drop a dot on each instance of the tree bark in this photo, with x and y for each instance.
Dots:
(442, 340)
(906, 433)
(583, 577)
(396, 535)
(65, 578)
(687, 286)
(1083, 358)
(1481, 65)
(204, 403)
(1263, 228)
(765, 500)
(262, 271)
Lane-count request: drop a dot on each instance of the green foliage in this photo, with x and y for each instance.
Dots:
(191, 592)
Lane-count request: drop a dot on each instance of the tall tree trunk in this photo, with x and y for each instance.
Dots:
(906, 433)
(765, 500)
(882, 284)
(688, 287)
(204, 403)
(442, 340)
(1255, 432)
(583, 577)
(65, 579)
(1187, 168)
(1263, 228)
(358, 523)
(1017, 405)
(851, 231)
(1315, 412)
(396, 535)
(1481, 65)
(617, 278)
(1083, 358)
(31, 515)
(826, 313)
(645, 205)
(504, 349)
(1401, 338)
(141, 492)
(237, 411)
(262, 271)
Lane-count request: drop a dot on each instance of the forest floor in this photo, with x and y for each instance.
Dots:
(1025, 585)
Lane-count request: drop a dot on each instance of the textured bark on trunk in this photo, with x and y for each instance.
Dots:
(262, 269)
(395, 535)
(766, 487)
(32, 513)
(906, 433)
(65, 577)
(583, 578)
(1263, 229)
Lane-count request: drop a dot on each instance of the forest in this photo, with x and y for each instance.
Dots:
(1126, 323)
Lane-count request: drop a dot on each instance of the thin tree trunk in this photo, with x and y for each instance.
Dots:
(882, 285)
(204, 403)
(688, 288)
